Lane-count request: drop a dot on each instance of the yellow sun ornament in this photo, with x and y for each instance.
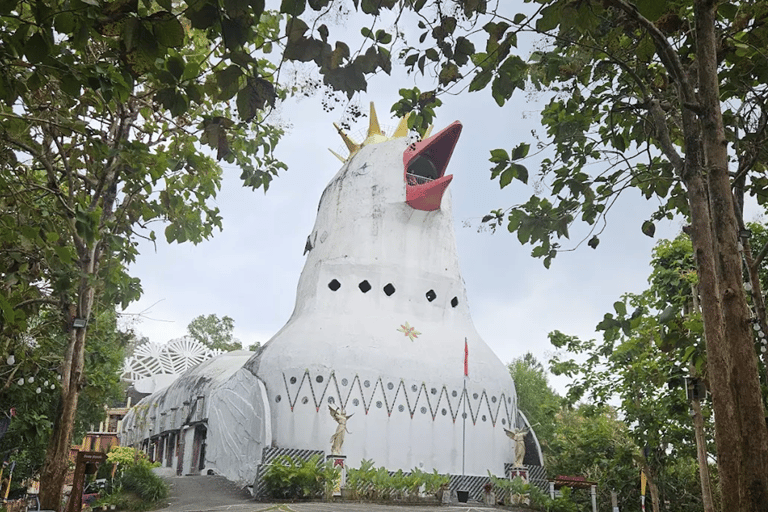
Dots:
(375, 135)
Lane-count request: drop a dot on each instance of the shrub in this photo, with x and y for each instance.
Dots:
(291, 478)
(538, 499)
(370, 483)
(140, 479)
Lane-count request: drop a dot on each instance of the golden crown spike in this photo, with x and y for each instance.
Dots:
(375, 134)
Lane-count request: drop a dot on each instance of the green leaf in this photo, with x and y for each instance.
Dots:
(499, 156)
(651, 9)
(549, 18)
(167, 29)
(228, 81)
(449, 74)
(204, 16)
(36, 48)
(175, 65)
(293, 7)
(480, 80)
(383, 37)
(649, 228)
(620, 308)
(521, 151)
(593, 242)
(255, 96)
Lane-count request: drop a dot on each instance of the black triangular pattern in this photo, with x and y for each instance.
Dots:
(356, 378)
(495, 416)
(349, 393)
(319, 402)
(412, 403)
(338, 391)
(480, 404)
(443, 391)
(412, 407)
(472, 412)
(390, 407)
(291, 402)
(373, 393)
(459, 405)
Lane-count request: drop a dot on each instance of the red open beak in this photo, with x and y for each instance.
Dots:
(425, 163)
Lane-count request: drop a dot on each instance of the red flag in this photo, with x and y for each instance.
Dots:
(466, 358)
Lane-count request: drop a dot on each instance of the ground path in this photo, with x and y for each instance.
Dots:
(216, 494)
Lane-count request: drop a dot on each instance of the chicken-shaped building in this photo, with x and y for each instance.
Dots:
(381, 339)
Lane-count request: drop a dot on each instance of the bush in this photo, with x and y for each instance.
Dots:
(140, 479)
(538, 499)
(296, 478)
(367, 482)
(135, 487)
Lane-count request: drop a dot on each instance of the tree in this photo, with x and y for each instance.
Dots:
(31, 385)
(652, 361)
(102, 110)
(591, 441)
(214, 332)
(538, 401)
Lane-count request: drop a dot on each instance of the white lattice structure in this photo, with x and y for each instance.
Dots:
(154, 366)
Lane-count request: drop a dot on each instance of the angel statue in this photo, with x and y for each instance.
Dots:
(518, 436)
(337, 439)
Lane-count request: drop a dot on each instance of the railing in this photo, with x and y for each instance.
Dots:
(415, 179)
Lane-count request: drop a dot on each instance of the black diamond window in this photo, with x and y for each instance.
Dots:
(389, 289)
(364, 286)
(334, 285)
(454, 302)
(431, 295)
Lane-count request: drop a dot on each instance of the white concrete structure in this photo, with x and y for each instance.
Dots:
(381, 328)
(154, 366)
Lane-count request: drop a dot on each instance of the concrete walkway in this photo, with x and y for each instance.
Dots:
(217, 494)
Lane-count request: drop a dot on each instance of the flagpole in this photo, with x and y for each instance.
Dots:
(464, 415)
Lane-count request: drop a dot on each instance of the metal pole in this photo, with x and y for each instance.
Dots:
(464, 414)
(464, 429)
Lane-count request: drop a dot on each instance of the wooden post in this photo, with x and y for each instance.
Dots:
(84, 459)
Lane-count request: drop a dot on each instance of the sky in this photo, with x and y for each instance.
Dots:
(250, 270)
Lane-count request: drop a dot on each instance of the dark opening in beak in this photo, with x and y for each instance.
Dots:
(425, 163)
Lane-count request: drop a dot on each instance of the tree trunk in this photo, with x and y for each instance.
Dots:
(701, 454)
(740, 429)
(56, 463)
(698, 429)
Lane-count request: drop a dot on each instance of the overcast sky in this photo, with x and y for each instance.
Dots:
(250, 270)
